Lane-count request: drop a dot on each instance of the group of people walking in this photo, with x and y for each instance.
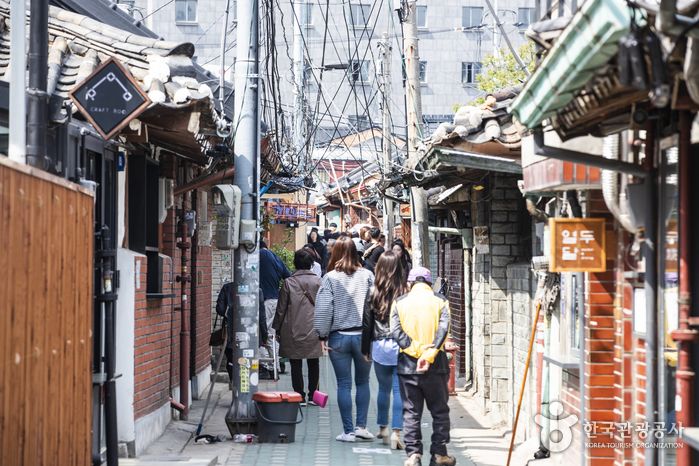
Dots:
(366, 307)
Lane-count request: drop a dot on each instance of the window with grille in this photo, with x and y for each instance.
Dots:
(471, 16)
(525, 17)
(186, 11)
(359, 15)
(469, 72)
(359, 71)
(423, 71)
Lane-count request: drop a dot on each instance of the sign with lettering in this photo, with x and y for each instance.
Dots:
(110, 98)
(404, 210)
(578, 245)
(289, 212)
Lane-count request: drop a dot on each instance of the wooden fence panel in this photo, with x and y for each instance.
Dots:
(46, 261)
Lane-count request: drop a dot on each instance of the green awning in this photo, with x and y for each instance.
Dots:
(588, 43)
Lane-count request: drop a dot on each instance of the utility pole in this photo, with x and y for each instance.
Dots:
(299, 121)
(389, 209)
(246, 261)
(418, 198)
(17, 147)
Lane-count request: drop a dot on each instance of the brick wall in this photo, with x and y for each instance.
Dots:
(152, 344)
(603, 356)
(157, 324)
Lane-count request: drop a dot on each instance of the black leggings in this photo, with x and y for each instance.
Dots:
(297, 376)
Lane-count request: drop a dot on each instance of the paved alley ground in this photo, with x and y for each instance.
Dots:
(472, 441)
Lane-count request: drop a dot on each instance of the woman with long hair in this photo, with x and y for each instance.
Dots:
(340, 304)
(320, 247)
(398, 248)
(379, 345)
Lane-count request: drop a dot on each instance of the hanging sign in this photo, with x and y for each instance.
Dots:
(578, 245)
(110, 98)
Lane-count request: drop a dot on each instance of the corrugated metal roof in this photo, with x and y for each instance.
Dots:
(589, 41)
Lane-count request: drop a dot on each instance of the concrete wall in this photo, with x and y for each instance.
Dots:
(520, 287)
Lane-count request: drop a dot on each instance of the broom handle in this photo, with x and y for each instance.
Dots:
(524, 382)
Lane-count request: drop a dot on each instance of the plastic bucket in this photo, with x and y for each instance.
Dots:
(277, 416)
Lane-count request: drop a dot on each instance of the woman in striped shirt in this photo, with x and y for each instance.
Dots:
(342, 297)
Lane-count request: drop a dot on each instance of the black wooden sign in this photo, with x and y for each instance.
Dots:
(109, 98)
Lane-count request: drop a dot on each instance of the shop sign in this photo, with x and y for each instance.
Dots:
(578, 245)
(287, 212)
(110, 98)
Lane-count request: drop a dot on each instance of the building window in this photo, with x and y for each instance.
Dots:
(306, 14)
(423, 71)
(359, 70)
(471, 17)
(421, 17)
(186, 11)
(469, 71)
(359, 15)
(525, 17)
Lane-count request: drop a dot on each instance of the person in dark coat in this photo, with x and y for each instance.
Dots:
(319, 246)
(224, 308)
(374, 251)
(293, 322)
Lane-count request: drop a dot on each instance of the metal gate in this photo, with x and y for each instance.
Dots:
(451, 268)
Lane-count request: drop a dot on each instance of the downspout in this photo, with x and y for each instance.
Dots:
(184, 278)
(37, 97)
(650, 257)
(610, 183)
(684, 335)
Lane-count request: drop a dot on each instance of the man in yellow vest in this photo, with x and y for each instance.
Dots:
(420, 324)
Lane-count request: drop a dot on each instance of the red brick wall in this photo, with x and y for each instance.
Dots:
(157, 325)
(152, 346)
(602, 362)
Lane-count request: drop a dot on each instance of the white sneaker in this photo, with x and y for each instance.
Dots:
(346, 437)
(363, 434)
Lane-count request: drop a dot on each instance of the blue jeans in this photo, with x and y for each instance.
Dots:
(344, 350)
(388, 382)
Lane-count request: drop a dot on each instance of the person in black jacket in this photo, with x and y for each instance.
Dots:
(318, 244)
(379, 346)
(374, 251)
(224, 308)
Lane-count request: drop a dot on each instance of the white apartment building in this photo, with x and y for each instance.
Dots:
(454, 38)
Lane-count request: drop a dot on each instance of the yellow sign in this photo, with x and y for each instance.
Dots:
(578, 245)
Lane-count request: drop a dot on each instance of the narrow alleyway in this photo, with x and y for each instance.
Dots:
(472, 442)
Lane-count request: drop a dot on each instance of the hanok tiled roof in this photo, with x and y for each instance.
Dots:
(165, 70)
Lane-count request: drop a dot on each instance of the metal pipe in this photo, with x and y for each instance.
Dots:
(610, 183)
(37, 110)
(540, 148)
(650, 258)
(17, 147)
(208, 180)
(684, 335)
(183, 245)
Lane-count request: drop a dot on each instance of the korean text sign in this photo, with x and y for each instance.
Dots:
(578, 245)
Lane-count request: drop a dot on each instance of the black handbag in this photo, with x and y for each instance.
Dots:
(218, 337)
